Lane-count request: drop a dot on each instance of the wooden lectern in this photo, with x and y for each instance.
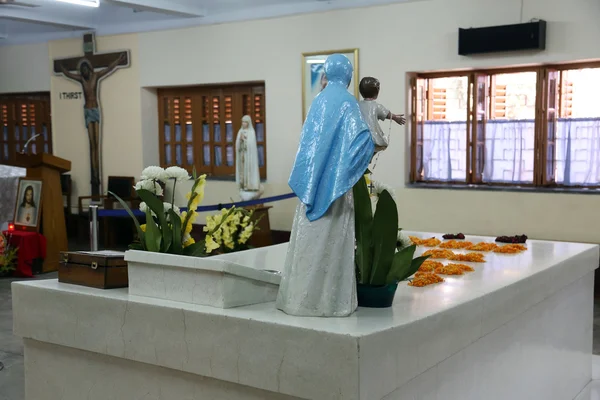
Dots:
(48, 168)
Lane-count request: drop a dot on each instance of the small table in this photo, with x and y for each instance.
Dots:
(32, 249)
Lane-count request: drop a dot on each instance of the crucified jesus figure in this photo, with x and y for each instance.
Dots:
(89, 80)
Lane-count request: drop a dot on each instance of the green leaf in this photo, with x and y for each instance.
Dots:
(385, 235)
(416, 263)
(177, 232)
(133, 217)
(363, 220)
(401, 265)
(196, 250)
(156, 205)
(153, 235)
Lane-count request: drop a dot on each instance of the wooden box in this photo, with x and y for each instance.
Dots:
(97, 269)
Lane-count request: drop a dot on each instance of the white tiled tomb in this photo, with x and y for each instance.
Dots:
(519, 327)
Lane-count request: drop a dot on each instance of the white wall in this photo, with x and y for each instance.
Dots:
(416, 36)
(24, 68)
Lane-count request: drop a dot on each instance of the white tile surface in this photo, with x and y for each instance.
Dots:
(595, 367)
(591, 392)
(373, 354)
(79, 375)
(530, 357)
(222, 281)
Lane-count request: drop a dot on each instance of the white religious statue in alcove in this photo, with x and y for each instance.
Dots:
(247, 175)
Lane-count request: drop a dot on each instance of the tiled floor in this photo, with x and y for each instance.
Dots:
(11, 350)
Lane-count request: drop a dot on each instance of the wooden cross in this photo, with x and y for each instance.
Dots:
(88, 71)
(98, 60)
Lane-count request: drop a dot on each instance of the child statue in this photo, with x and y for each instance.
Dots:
(334, 152)
(372, 112)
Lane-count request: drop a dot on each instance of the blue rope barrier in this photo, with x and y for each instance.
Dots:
(215, 207)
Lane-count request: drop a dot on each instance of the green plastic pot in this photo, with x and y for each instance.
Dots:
(376, 296)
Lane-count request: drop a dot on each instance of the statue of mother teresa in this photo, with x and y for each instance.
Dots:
(334, 152)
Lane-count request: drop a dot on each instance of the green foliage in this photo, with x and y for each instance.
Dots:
(363, 220)
(378, 261)
(135, 220)
(385, 236)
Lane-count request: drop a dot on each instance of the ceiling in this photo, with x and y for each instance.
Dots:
(31, 21)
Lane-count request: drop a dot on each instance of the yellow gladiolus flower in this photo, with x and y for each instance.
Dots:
(143, 228)
(189, 242)
(210, 244)
(246, 233)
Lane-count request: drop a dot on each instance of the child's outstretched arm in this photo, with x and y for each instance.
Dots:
(397, 118)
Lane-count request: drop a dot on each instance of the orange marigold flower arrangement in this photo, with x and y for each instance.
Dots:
(510, 249)
(463, 267)
(469, 257)
(425, 280)
(431, 242)
(450, 269)
(483, 246)
(455, 244)
(430, 266)
(439, 254)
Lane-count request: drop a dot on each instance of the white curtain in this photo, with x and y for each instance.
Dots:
(578, 151)
(509, 151)
(445, 150)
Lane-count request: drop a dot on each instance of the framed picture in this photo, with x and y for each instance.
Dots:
(313, 75)
(29, 205)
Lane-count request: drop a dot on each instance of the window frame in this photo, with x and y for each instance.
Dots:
(241, 98)
(542, 180)
(25, 110)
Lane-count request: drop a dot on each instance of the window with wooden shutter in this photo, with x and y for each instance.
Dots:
(22, 117)
(536, 126)
(208, 119)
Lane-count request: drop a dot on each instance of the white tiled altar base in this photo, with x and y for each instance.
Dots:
(591, 392)
(221, 281)
(79, 375)
(544, 353)
(315, 358)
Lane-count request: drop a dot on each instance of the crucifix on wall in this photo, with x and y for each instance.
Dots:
(88, 71)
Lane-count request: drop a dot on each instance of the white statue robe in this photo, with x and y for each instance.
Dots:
(247, 175)
(318, 278)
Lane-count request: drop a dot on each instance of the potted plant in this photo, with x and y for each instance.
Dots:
(8, 256)
(168, 229)
(382, 260)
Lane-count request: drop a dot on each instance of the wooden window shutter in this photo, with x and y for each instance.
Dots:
(4, 135)
(418, 117)
(480, 87)
(549, 121)
(437, 101)
(258, 117)
(498, 100)
(566, 96)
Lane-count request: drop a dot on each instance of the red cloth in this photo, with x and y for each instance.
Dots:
(31, 245)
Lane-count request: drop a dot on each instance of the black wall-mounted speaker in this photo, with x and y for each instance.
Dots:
(528, 36)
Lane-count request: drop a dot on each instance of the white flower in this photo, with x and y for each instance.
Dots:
(168, 206)
(149, 185)
(379, 187)
(175, 173)
(152, 173)
(144, 208)
(403, 241)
